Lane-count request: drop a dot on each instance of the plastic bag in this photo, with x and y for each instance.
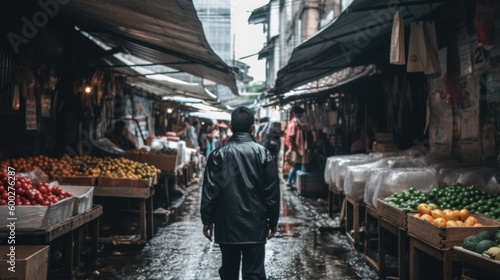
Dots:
(432, 65)
(383, 182)
(398, 56)
(417, 50)
(331, 167)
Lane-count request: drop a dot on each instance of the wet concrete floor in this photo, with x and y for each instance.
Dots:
(179, 250)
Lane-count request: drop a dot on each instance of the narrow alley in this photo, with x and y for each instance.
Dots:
(180, 251)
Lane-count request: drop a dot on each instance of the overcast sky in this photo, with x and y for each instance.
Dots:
(249, 39)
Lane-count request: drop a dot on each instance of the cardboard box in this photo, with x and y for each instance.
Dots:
(447, 237)
(32, 218)
(83, 196)
(31, 262)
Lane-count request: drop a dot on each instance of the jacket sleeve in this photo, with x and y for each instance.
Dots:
(272, 194)
(210, 189)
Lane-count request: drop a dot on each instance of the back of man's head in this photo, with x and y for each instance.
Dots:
(242, 119)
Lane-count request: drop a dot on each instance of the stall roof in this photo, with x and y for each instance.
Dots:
(161, 31)
(172, 88)
(359, 36)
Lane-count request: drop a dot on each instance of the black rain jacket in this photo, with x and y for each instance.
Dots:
(241, 191)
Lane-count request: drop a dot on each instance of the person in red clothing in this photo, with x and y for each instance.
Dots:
(295, 143)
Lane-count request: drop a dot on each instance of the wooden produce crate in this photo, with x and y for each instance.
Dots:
(124, 182)
(392, 214)
(429, 262)
(166, 163)
(311, 184)
(477, 264)
(78, 180)
(447, 237)
(31, 262)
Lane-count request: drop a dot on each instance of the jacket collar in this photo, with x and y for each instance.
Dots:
(242, 137)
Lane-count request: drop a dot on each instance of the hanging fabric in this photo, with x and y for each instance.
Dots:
(417, 51)
(398, 41)
(432, 58)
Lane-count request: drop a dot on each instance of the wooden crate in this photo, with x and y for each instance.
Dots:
(166, 163)
(394, 215)
(478, 263)
(447, 237)
(124, 182)
(31, 262)
(78, 180)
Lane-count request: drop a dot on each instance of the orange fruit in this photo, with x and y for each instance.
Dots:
(423, 208)
(452, 215)
(464, 214)
(417, 215)
(460, 223)
(452, 224)
(477, 225)
(446, 211)
(427, 217)
(440, 222)
(437, 214)
(470, 221)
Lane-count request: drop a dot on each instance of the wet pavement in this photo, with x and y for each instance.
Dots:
(179, 250)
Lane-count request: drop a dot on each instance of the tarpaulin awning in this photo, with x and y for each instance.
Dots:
(171, 88)
(164, 32)
(359, 36)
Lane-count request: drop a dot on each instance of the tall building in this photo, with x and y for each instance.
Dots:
(215, 16)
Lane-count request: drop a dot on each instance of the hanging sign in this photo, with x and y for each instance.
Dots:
(464, 52)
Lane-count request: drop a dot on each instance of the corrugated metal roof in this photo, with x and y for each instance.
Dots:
(359, 36)
(160, 31)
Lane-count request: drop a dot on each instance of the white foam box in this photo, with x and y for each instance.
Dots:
(83, 196)
(31, 262)
(32, 218)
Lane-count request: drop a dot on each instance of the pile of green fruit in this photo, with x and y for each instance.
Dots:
(485, 242)
(456, 196)
(168, 151)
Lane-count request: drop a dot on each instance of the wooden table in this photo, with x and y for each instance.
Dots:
(371, 246)
(145, 196)
(72, 233)
(477, 263)
(419, 265)
(389, 232)
(355, 215)
(335, 199)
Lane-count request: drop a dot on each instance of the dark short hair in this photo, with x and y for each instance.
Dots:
(242, 119)
(195, 123)
(187, 121)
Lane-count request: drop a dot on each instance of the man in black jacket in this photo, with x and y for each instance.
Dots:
(241, 197)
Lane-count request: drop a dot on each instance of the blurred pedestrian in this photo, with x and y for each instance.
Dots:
(241, 198)
(119, 137)
(295, 144)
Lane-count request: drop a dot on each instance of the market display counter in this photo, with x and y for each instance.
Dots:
(476, 263)
(371, 246)
(355, 215)
(389, 249)
(429, 262)
(335, 200)
(72, 234)
(144, 195)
